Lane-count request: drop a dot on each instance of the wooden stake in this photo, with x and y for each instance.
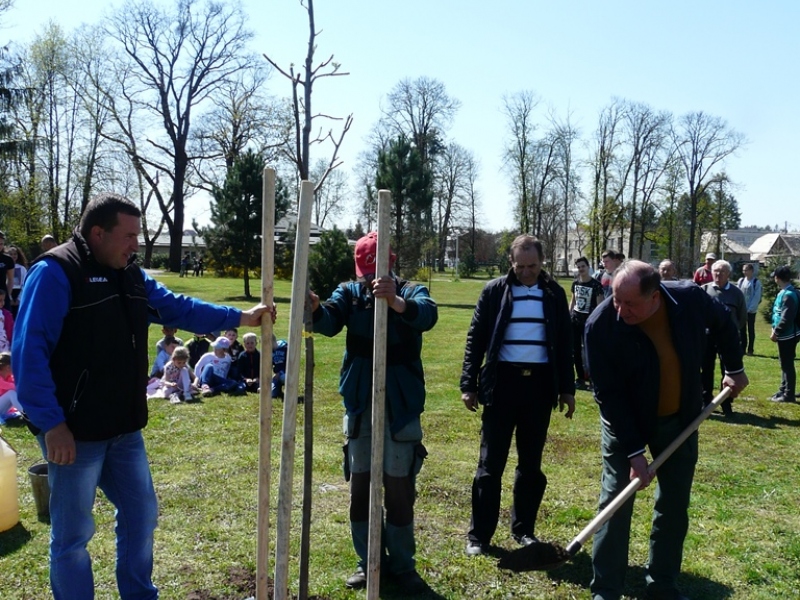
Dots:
(265, 396)
(378, 405)
(299, 293)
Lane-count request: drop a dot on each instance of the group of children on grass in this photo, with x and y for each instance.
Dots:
(210, 364)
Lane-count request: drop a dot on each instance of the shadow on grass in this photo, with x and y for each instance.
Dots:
(578, 571)
(745, 418)
(13, 539)
(391, 591)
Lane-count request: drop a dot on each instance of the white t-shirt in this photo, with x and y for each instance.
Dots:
(221, 364)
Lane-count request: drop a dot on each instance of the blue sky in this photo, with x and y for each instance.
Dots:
(733, 59)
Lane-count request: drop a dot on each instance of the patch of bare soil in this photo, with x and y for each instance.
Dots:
(244, 582)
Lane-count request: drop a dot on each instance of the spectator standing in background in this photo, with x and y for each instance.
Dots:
(785, 332)
(587, 293)
(751, 288)
(722, 290)
(703, 274)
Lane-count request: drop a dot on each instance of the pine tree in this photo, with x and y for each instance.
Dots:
(401, 171)
(234, 241)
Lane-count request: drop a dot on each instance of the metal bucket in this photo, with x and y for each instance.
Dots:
(41, 490)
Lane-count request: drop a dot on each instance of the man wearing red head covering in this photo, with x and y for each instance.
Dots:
(411, 312)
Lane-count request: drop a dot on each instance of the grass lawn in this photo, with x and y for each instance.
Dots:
(743, 543)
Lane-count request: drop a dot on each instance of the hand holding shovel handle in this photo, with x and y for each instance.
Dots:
(605, 514)
(542, 556)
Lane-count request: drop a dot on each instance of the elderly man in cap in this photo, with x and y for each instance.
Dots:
(411, 312)
(703, 274)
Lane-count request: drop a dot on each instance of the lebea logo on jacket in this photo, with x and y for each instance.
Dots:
(100, 279)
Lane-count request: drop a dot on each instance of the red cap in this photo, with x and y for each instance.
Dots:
(367, 253)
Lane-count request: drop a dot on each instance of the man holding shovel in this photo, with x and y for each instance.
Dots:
(644, 351)
(411, 312)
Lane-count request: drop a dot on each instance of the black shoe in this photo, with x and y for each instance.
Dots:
(782, 397)
(526, 540)
(357, 580)
(476, 548)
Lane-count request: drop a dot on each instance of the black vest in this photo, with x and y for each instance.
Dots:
(99, 364)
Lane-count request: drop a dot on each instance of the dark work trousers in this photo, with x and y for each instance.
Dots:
(787, 350)
(578, 325)
(747, 334)
(522, 400)
(708, 376)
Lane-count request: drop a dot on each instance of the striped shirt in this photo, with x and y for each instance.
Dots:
(525, 338)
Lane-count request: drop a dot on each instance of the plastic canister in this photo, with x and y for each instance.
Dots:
(9, 494)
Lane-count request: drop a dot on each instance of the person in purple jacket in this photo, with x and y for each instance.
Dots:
(85, 310)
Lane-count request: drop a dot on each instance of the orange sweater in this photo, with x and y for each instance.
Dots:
(657, 329)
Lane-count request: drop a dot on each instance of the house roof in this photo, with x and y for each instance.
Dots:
(764, 244)
(732, 247)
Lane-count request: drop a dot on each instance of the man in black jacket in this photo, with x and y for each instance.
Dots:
(521, 327)
(644, 350)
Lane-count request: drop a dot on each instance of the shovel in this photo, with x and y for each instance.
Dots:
(542, 556)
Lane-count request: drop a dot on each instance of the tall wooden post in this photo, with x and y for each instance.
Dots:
(265, 396)
(299, 293)
(378, 405)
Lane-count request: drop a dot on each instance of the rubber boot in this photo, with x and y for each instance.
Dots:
(401, 547)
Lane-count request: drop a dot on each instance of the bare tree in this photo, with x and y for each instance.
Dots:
(701, 142)
(473, 201)
(518, 156)
(566, 176)
(610, 174)
(421, 110)
(366, 194)
(329, 198)
(451, 195)
(299, 151)
(647, 134)
(241, 117)
(179, 59)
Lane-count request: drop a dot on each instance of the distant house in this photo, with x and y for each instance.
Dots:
(777, 245)
(191, 242)
(194, 243)
(733, 246)
(289, 223)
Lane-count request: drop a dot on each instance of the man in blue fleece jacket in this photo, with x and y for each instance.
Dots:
(81, 372)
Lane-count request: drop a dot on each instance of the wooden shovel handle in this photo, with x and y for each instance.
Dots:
(605, 514)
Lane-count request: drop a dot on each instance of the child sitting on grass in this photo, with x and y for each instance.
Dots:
(6, 324)
(212, 371)
(279, 354)
(176, 383)
(168, 332)
(10, 408)
(164, 356)
(236, 348)
(248, 364)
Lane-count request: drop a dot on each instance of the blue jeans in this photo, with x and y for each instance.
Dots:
(119, 467)
(221, 384)
(670, 513)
